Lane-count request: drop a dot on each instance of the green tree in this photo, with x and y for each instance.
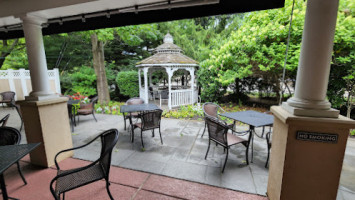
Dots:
(127, 81)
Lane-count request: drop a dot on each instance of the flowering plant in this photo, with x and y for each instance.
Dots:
(82, 98)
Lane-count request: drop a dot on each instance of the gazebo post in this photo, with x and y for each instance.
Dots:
(192, 74)
(170, 74)
(145, 70)
(139, 82)
(150, 77)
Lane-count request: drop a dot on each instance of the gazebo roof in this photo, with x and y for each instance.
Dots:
(168, 53)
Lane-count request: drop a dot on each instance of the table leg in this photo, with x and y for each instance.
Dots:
(132, 130)
(252, 129)
(3, 187)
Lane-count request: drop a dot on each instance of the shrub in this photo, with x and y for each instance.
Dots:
(82, 81)
(127, 82)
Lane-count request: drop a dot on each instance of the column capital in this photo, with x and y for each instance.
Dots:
(33, 19)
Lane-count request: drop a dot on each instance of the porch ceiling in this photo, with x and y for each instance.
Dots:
(80, 15)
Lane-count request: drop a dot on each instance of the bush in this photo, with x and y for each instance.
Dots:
(127, 82)
(82, 80)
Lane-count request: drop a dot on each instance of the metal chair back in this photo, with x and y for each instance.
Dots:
(9, 136)
(7, 96)
(210, 109)
(217, 130)
(164, 94)
(151, 119)
(134, 101)
(3, 121)
(108, 141)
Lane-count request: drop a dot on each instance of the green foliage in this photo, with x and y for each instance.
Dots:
(352, 132)
(342, 70)
(256, 48)
(82, 81)
(127, 82)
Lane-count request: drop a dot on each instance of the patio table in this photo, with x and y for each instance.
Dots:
(136, 108)
(9, 155)
(253, 119)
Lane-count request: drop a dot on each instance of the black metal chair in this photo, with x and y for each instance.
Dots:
(88, 109)
(18, 109)
(71, 113)
(3, 121)
(218, 132)
(132, 101)
(7, 97)
(67, 180)
(268, 143)
(11, 136)
(150, 120)
(212, 110)
(164, 96)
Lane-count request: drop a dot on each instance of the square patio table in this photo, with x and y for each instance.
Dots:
(136, 108)
(9, 155)
(253, 119)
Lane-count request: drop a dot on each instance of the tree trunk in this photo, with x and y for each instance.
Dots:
(237, 89)
(99, 66)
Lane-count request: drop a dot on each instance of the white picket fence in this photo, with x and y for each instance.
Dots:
(19, 81)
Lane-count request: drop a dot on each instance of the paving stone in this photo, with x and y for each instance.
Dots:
(238, 176)
(143, 165)
(260, 182)
(183, 170)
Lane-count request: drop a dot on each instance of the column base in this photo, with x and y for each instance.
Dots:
(328, 113)
(40, 97)
(47, 122)
(304, 167)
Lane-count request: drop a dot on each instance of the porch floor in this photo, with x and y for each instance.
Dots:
(125, 184)
(181, 157)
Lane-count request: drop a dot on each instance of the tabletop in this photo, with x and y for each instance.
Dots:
(251, 117)
(10, 154)
(138, 108)
(71, 102)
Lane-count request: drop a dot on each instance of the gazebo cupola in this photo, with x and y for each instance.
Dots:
(169, 57)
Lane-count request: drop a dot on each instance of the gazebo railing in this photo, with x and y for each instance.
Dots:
(181, 97)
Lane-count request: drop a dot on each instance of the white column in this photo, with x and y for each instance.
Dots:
(170, 74)
(36, 58)
(145, 70)
(192, 74)
(57, 81)
(150, 77)
(23, 82)
(314, 64)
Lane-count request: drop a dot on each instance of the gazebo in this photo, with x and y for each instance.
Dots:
(169, 57)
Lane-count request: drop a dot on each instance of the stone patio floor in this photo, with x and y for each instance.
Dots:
(182, 154)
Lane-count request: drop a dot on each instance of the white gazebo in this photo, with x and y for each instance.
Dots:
(169, 57)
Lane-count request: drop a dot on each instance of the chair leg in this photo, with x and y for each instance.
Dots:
(161, 139)
(153, 133)
(108, 190)
(124, 119)
(94, 116)
(64, 196)
(262, 134)
(247, 153)
(20, 172)
(204, 130)
(142, 138)
(208, 148)
(225, 161)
